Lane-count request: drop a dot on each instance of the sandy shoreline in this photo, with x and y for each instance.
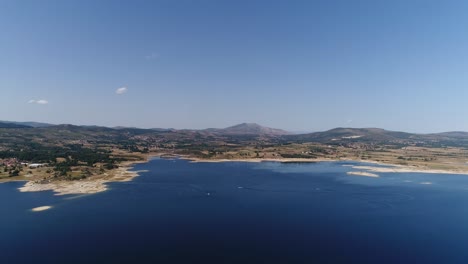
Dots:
(406, 169)
(41, 208)
(363, 173)
(395, 168)
(98, 184)
(91, 185)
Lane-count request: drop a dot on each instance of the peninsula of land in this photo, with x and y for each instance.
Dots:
(91, 185)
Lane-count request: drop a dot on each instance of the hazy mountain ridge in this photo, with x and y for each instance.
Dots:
(26, 124)
(366, 134)
(248, 129)
(12, 125)
(252, 130)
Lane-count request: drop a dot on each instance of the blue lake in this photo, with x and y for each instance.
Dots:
(234, 212)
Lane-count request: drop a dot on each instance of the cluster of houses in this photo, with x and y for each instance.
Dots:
(9, 162)
(13, 162)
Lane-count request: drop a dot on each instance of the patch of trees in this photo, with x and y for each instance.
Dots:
(12, 171)
(71, 155)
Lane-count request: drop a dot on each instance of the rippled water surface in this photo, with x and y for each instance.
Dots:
(182, 212)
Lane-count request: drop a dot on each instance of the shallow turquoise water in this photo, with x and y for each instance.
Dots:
(181, 212)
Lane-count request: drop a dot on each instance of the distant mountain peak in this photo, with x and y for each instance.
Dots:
(252, 129)
(245, 125)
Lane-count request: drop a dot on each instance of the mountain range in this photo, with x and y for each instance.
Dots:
(332, 136)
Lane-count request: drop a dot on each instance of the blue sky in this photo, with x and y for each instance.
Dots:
(296, 65)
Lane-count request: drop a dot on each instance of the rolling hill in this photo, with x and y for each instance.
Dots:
(27, 124)
(12, 125)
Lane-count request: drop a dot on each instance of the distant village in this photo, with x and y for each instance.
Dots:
(14, 162)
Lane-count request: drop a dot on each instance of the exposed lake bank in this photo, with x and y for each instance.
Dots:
(99, 183)
(90, 185)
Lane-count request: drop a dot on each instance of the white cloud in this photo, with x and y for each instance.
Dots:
(121, 90)
(152, 56)
(41, 102)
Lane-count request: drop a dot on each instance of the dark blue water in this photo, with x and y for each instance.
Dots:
(181, 212)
